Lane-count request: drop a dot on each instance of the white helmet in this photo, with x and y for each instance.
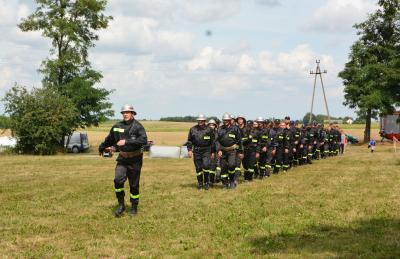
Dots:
(226, 117)
(201, 117)
(260, 119)
(127, 108)
(212, 122)
(241, 116)
(233, 117)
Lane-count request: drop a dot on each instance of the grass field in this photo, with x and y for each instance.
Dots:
(63, 206)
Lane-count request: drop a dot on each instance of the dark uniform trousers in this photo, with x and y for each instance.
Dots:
(331, 148)
(228, 165)
(310, 152)
(213, 168)
(237, 168)
(202, 162)
(304, 154)
(326, 149)
(268, 161)
(130, 171)
(278, 159)
(317, 148)
(286, 159)
(261, 162)
(297, 155)
(249, 161)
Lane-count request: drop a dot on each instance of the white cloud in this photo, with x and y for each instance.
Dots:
(243, 45)
(276, 42)
(145, 35)
(209, 10)
(337, 16)
(335, 92)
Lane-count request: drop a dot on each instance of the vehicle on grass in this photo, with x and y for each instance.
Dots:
(389, 128)
(351, 139)
(79, 142)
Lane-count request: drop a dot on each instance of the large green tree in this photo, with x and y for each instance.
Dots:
(38, 119)
(306, 118)
(371, 77)
(71, 25)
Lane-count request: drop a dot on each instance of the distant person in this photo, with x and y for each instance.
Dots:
(372, 143)
(214, 173)
(342, 141)
(130, 136)
(345, 143)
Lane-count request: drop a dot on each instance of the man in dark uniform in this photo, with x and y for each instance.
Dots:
(263, 133)
(317, 142)
(130, 136)
(273, 130)
(282, 145)
(228, 141)
(259, 167)
(331, 138)
(214, 161)
(267, 141)
(325, 154)
(304, 143)
(297, 154)
(311, 133)
(291, 148)
(202, 148)
(245, 133)
(256, 164)
(251, 153)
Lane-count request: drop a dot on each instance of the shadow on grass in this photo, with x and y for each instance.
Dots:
(375, 238)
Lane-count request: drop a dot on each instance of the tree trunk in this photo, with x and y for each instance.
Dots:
(367, 132)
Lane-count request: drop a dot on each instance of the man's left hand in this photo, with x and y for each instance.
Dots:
(286, 151)
(121, 142)
(213, 156)
(241, 156)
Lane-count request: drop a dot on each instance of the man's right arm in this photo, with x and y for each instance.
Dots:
(109, 141)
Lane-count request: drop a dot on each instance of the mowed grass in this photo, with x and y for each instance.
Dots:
(63, 207)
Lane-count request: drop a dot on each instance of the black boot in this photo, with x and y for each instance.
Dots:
(200, 180)
(206, 186)
(294, 164)
(133, 210)
(262, 172)
(121, 207)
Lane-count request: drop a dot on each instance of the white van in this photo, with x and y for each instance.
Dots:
(78, 142)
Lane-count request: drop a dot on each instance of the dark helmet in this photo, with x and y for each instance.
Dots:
(322, 125)
(267, 121)
(303, 126)
(249, 123)
(291, 122)
(277, 121)
(296, 124)
(287, 118)
(315, 123)
(217, 121)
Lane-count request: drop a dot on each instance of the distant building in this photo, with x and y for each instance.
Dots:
(334, 121)
(349, 121)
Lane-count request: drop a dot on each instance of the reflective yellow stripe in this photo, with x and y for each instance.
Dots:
(206, 171)
(212, 172)
(207, 137)
(255, 140)
(297, 135)
(224, 175)
(121, 130)
(200, 173)
(244, 138)
(116, 129)
(262, 167)
(134, 196)
(218, 168)
(251, 170)
(119, 190)
(281, 137)
(232, 135)
(268, 166)
(278, 166)
(237, 168)
(312, 135)
(231, 172)
(265, 137)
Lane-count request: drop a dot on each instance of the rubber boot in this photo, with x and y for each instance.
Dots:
(294, 164)
(200, 180)
(206, 186)
(237, 175)
(121, 207)
(256, 171)
(212, 179)
(233, 186)
(133, 210)
(262, 173)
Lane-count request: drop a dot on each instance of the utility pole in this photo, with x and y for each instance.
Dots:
(318, 72)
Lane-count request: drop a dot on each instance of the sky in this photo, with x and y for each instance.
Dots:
(185, 57)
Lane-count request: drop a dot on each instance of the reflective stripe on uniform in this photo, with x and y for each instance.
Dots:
(224, 175)
(237, 168)
(218, 168)
(134, 196)
(119, 190)
(200, 173)
(278, 166)
(251, 170)
(268, 166)
(212, 172)
(231, 172)
(206, 171)
(262, 167)
(245, 138)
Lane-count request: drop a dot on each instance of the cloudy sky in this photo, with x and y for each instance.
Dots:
(183, 57)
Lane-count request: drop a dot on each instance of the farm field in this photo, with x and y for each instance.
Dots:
(63, 206)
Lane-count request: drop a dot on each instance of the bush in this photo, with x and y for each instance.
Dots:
(38, 119)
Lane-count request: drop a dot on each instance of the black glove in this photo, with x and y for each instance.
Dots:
(369, 146)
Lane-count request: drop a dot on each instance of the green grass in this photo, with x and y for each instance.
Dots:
(374, 125)
(63, 206)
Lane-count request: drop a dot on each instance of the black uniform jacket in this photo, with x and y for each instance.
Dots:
(134, 135)
(255, 140)
(266, 138)
(201, 137)
(305, 139)
(245, 133)
(290, 138)
(228, 137)
(281, 138)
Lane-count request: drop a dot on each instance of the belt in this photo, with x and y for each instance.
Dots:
(202, 148)
(246, 147)
(131, 154)
(229, 148)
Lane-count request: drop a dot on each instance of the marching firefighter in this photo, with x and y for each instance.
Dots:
(255, 129)
(267, 141)
(282, 145)
(253, 152)
(312, 141)
(130, 136)
(214, 161)
(229, 145)
(273, 130)
(330, 133)
(325, 154)
(246, 139)
(290, 142)
(304, 143)
(201, 147)
(297, 154)
(317, 137)
(263, 155)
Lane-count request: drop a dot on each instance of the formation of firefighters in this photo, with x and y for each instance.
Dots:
(260, 146)
(219, 151)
